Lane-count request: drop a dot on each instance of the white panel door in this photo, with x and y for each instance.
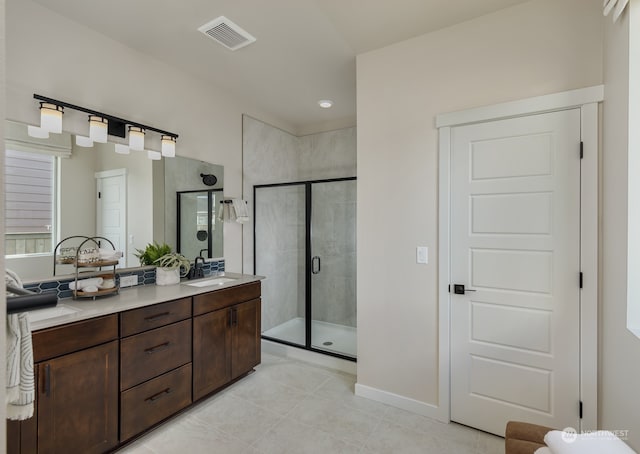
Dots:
(111, 209)
(515, 244)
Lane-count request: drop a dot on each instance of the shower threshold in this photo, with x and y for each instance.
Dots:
(325, 336)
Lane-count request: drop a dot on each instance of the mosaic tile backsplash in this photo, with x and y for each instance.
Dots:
(146, 276)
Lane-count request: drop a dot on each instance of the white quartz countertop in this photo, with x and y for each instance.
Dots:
(132, 298)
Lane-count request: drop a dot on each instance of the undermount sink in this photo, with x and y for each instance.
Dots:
(37, 315)
(209, 282)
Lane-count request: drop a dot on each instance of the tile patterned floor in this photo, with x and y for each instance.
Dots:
(288, 406)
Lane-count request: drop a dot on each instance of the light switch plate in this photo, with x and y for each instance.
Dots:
(422, 254)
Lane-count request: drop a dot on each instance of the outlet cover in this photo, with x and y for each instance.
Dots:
(128, 281)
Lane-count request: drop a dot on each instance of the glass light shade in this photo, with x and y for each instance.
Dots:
(37, 132)
(136, 138)
(51, 117)
(168, 146)
(98, 128)
(154, 155)
(122, 149)
(84, 141)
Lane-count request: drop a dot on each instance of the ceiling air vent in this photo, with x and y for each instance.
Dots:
(225, 32)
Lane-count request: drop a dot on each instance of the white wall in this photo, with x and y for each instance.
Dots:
(539, 47)
(53, 56)
(619, 397)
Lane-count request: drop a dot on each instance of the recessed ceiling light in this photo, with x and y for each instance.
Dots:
(325, 103)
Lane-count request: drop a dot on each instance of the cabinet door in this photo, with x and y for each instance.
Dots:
(246, 337)
(78, 401)
(211, 352)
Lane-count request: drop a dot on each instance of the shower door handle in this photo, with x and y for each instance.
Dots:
(315, 260)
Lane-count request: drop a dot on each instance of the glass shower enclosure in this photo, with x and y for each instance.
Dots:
(305, 244)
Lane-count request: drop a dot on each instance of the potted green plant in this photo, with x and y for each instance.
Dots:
(170, 266)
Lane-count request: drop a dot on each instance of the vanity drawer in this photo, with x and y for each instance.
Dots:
(149, 403)
(60, 340)
(147, 355)
(149, 317)
(219, 299)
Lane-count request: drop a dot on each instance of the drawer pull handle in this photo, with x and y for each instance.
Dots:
(152, 318)
(157, 348)
(158, 395)
(47, 380)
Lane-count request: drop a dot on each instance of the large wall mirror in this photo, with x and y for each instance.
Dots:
(55, 189)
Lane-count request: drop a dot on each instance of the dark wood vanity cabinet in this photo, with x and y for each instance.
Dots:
(105, 380)
(226, 336)
(76, 408)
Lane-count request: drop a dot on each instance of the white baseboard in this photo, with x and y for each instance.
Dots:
(404, 403)
(330, 362)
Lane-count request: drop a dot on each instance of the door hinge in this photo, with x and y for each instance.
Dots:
(581, 279)
(449, 288)
(581, 150)
(99, 194)
(580, 409)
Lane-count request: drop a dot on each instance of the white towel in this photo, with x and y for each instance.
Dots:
(242, 212)
(82, 284)
(109, 254)
(544, 450)
(20, 393)
(600, 442)
(226, 213)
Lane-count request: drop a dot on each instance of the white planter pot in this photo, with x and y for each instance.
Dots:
(167, 277)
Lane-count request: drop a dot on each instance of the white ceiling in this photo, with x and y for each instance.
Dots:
(305, 49)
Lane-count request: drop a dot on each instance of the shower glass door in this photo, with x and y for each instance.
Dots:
(305, 245)
(333, 267)
(280, 239)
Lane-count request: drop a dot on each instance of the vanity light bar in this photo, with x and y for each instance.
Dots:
(116, 126)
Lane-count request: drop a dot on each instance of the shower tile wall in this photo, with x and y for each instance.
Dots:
(327, 155)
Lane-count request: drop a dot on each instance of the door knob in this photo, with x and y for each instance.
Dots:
(459, 289)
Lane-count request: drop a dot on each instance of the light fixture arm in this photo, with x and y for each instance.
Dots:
(116, 125)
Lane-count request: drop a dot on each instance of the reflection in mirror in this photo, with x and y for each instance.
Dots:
(188, 175)
(61, 198)
(91, 191)
(199, 231)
